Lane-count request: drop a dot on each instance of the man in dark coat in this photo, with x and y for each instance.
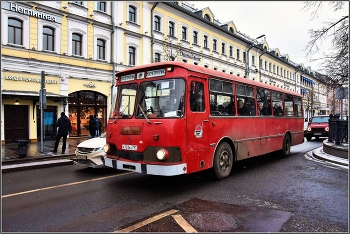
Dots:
(64, 127)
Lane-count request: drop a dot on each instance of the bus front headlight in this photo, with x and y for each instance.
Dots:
(162, 154)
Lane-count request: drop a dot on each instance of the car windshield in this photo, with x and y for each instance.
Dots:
(323, 119)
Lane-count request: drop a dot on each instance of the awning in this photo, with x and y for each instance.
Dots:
(303, 90)
(29, 94)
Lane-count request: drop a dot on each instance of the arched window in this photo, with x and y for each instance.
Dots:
(48, 38)
(77, 41)
(231, 30)
(132, 14)
(132, 55)
(207, 17)
(101, 48)
(157, 23)
(15, 31)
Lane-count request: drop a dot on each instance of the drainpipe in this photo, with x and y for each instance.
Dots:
(112, 49)
(152, 42)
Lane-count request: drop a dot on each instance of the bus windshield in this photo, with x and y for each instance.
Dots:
(161, 98)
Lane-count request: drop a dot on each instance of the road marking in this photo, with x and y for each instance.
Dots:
(62, 185)
(147, 221)
(184, 224)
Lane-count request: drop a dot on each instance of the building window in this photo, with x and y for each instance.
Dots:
(273, 69)
(132, 55)
(231, 51)
(237, 54)
(205, 41)
(269, 67)
(278, 70)
(171, 29)
(223, 48)
(157, 57)
(265, 65)
(157, 23)
(207, 17)
(253, 60)
(101, 48)
(132, 14)
(260, 63)
(231, 30)
(206, 66)
(78, 3)
(184, 33)
(172, 58)
(15, 29)
(214, 44)
(77, 41)
(195, 37)
(101, 6)
(48, 38)
(244, 57)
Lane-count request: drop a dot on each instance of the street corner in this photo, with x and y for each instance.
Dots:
(197, 215)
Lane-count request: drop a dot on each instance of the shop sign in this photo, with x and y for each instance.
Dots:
(25, 11)
(190, 55)
(90, 85)
(29, 79)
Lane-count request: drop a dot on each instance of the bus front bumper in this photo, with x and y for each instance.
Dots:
(150, 169)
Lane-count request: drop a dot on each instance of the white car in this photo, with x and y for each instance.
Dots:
(90, 153)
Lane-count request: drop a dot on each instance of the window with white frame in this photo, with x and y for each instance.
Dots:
(78, 3)
(132, 55)
(171, 29)
(205, 41)
(77, 41)
(157, 23)
(48, 38)
(15, 31)
(157, 57)
(238, 52)
(195, 37)
(132, 14)
(101, 49)
(244, 56)
(184, 33)
(253, 60)
(214, 44)
(231, 51)
(223, 48)
(101, 6)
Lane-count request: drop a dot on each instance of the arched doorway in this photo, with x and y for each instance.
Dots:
(82, 104)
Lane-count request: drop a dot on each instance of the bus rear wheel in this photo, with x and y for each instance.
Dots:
(286, 146)
(223, 161)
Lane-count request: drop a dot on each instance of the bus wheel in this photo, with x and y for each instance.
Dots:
(223, 161)
(286, 146)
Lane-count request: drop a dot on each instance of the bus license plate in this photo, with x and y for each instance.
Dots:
(129, 147)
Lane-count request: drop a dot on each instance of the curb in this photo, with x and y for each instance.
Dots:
(320, 154)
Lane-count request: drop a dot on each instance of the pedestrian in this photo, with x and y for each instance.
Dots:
(64, 127)
(92, 128)
(97, 125)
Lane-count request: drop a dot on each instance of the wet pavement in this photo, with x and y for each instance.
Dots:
(38, 155)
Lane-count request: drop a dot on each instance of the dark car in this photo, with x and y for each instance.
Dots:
(318, 127)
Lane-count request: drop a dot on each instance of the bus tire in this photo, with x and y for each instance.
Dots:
(223, 161)
(286, 146)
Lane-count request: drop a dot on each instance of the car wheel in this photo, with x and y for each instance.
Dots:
(223, 161)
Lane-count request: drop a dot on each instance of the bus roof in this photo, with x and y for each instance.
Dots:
(207, 71)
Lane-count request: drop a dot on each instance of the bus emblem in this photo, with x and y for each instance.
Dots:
(198, 131)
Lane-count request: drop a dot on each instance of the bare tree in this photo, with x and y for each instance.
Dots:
(334, 62)
(172, 48)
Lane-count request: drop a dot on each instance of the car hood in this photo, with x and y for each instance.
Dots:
(93, 143)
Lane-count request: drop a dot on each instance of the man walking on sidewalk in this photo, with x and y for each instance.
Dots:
(64, 126)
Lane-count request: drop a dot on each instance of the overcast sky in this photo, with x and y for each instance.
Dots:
(284, 23)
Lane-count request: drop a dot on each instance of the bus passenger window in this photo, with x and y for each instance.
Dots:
(197, 97)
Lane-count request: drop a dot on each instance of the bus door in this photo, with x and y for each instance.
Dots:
(197, 122)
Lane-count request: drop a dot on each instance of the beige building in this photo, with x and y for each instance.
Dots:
(80, 45)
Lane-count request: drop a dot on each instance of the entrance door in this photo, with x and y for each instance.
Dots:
(50, 118)
(16, 123)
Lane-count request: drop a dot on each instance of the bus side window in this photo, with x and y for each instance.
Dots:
(197, 97)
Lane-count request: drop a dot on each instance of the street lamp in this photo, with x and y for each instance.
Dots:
(251, 46)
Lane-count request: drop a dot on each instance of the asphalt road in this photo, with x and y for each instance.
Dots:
(264, 194)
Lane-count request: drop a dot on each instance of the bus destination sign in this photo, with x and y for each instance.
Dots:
(155, 73)
(127, 78)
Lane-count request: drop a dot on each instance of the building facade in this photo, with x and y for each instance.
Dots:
(81, 45)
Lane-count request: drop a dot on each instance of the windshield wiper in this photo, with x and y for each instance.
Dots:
(120, 113)
(144, 113)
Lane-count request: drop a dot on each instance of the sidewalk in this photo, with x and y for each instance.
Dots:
(35, 158)
(38, 157)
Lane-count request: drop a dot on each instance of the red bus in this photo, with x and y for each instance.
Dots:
(173, 118)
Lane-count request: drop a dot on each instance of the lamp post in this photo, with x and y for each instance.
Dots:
(251, 46)
(65, 102)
